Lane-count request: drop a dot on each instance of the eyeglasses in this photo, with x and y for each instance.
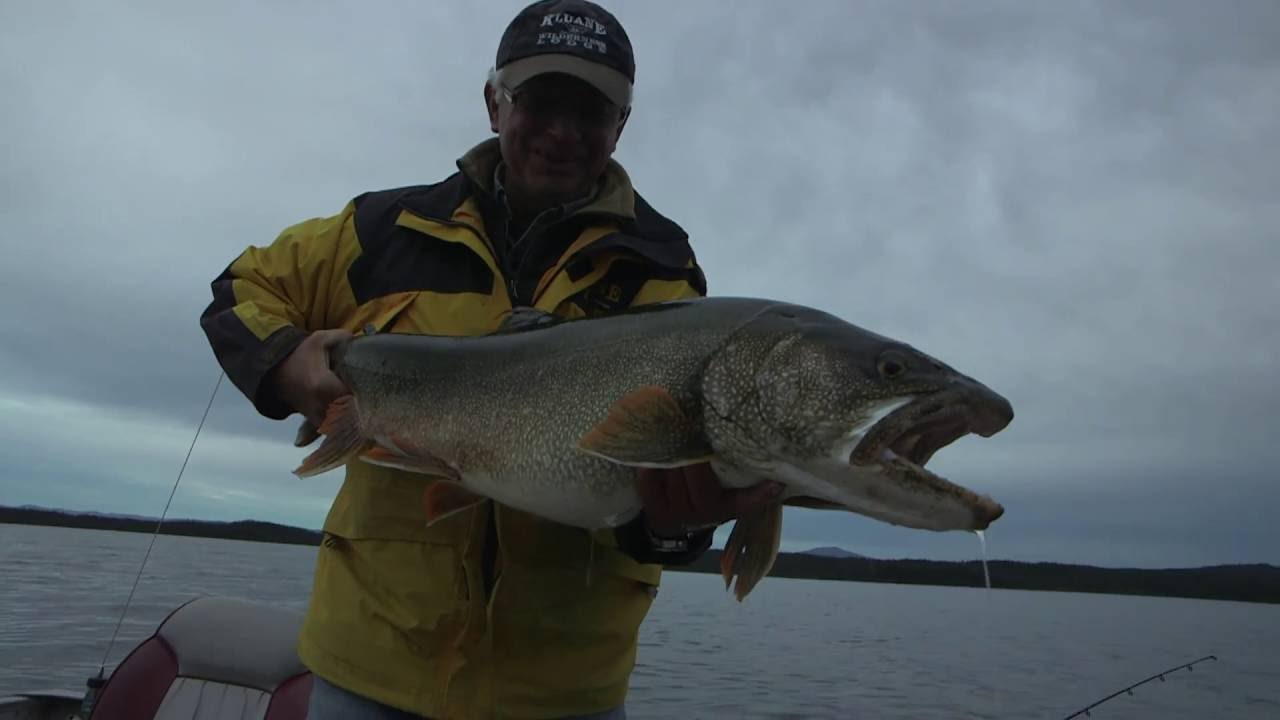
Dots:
(545, 104)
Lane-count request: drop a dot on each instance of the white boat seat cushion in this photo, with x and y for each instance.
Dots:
(213, 659)
(191, 699)
(235, 642)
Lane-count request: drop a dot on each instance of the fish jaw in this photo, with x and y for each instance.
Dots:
(895, 491)
(895, 487)
(917, 429)
(878, 468)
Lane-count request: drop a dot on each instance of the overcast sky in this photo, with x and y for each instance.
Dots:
(1076, 203)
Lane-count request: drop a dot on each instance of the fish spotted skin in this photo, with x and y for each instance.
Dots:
(553, 416)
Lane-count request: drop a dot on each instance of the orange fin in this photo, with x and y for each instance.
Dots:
(342, 439)
(751, 549)
(401, 455)
(307, 434)
(442, 499)
(732, 548)
(647, 428)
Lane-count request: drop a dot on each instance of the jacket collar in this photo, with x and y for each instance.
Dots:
(613, 194)
(643, 228)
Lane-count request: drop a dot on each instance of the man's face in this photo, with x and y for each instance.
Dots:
(557, 134)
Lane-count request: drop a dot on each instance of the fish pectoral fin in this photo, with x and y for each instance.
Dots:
(444, 498)
(647, 428)
(751, 549)
(401, 455)
(342, 438)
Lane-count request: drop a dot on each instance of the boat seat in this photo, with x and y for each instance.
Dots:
(212, 659)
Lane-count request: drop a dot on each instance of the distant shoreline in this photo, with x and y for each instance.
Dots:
(1241, 583)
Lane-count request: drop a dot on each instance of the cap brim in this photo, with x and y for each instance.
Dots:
(612, 83)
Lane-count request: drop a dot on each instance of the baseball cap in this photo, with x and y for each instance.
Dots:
(574, 37)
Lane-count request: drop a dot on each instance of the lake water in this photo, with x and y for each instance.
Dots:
(795, 649)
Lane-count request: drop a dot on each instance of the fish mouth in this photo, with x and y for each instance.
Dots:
(906, 439)
(922, 427)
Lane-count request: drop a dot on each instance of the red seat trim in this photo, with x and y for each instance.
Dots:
(138, 685)
(291, 699)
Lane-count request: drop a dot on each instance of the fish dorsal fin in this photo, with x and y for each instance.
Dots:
(647, 428)
(523, 317)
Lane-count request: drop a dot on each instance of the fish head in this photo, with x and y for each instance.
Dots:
(848, 418)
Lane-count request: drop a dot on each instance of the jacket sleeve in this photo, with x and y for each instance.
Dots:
(270, 298)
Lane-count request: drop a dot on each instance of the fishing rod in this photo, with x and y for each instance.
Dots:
(95, 682)
(1189, 666)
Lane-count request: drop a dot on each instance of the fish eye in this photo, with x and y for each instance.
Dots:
(891, 366)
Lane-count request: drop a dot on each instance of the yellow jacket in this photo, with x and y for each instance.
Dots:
(492, 612)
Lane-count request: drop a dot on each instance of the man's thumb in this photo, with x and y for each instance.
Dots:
(329, 338)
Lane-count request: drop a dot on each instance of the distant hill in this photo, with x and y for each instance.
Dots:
(832, 552)
(1247, 583)
(255, 530)
(87, 514)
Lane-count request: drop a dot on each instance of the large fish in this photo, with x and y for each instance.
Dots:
(552, 416)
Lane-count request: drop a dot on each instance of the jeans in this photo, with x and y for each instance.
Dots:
(330, 702)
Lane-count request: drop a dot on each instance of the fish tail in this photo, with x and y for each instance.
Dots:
(751, 549)
(342, 439)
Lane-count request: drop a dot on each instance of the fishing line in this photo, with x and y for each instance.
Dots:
(98, 681)
(1085, 710)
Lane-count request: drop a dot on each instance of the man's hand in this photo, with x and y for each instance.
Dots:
(304, 380)
(680, 499)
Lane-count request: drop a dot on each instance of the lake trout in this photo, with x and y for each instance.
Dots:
(552, 417)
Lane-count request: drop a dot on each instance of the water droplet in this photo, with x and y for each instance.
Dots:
(986, 574)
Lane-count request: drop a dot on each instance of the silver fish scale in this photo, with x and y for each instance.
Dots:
(509, 420)
(776, 389)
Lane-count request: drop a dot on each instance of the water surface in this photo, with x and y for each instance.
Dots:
(794, 649)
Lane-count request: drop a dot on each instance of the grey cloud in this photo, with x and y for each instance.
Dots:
(1073, 203)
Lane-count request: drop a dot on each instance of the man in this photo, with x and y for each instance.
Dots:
(490, 613)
